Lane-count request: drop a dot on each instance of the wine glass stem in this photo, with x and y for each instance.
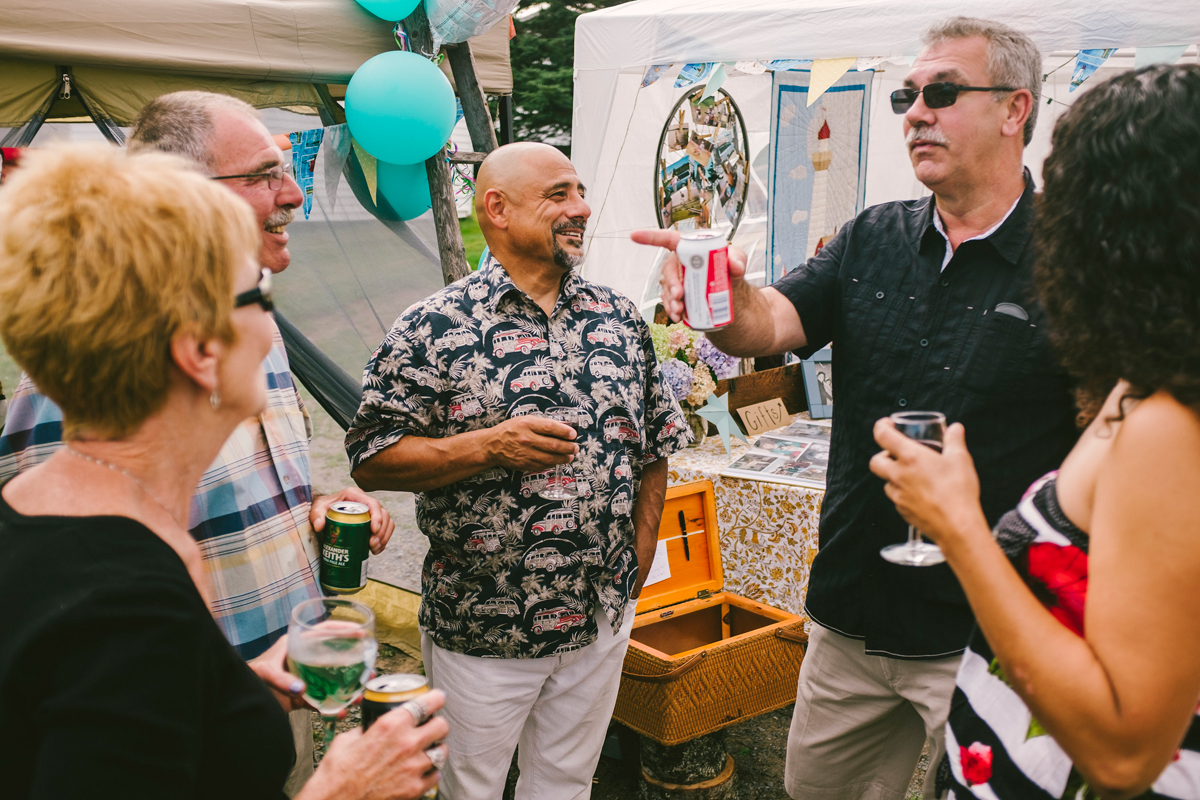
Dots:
(330, 729)
(558, 483)
(914, 536)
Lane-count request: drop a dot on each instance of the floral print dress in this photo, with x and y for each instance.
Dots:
(995, 747)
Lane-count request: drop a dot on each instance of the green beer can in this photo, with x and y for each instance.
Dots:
(345, 549)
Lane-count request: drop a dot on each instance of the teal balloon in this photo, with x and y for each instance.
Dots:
(400, 107)
(391, 10)
(406, 187)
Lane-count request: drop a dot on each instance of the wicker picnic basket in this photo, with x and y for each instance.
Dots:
(701, 659)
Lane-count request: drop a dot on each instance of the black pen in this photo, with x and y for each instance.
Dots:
(683, 529)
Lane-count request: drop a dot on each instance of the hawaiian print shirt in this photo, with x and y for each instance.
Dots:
(509, 574)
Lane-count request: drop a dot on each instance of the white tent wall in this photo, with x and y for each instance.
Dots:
(617, 124)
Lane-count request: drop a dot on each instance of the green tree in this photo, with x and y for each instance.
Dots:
(543, 57)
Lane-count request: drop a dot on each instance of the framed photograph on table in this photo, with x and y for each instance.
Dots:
(818, 383)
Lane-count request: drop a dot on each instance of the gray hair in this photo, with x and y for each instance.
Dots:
(1013, 58)
(182, 123)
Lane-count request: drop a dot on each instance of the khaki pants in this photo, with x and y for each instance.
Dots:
(861, 721)
(557, 708)
(302, 733)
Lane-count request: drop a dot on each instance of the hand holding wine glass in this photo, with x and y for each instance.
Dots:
(927, 428)
(937, 494)
(562, 485)
(331, 647)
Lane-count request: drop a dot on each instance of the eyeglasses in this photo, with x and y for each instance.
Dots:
(260, 294)
(273, 176)
(938, 95)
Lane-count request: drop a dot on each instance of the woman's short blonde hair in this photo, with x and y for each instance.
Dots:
(104, 258)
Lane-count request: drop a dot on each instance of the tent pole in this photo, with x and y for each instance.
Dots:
(441, 194)
(474, 103)
(504, 108)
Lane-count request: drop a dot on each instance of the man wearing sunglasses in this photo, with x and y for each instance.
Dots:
(929, 306)
(254, 513)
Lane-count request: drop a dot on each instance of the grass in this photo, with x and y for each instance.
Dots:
(472, 239)
(10, 373)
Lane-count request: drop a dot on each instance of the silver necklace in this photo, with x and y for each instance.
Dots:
(102, 463)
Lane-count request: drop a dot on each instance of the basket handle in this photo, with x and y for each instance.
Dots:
(666, 677)
(799, 637)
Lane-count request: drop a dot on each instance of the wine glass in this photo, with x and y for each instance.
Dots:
(557, 488)
(928, 428)
(331, 647)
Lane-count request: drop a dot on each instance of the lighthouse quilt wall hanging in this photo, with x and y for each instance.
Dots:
(818, 167)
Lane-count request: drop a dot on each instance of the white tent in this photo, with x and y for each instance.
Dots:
(617, 123)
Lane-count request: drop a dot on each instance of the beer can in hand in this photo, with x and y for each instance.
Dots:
(386, 692)
(346, 547)
(707, 294)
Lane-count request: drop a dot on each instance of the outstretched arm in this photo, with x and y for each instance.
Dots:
(764, 321)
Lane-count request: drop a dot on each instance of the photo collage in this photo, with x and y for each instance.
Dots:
(702, 164)
(797, 455)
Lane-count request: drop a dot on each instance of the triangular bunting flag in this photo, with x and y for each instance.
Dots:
(1145, 56)
(692, 73)
(337, 150)
(825, 73)
(305, 146)
(714, 83)
(1087, 62)
(367, 162)
(653, 73)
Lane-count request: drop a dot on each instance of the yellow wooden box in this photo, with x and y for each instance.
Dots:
(700, 658)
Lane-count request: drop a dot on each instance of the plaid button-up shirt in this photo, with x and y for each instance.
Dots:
(249, 513)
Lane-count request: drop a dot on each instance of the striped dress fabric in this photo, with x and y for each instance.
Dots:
(995, 748)
(249, 514)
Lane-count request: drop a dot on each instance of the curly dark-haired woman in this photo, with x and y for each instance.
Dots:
(1083, 675)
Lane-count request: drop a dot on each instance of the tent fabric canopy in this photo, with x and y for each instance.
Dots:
(320, 41)
(669, 31)
(266, 52)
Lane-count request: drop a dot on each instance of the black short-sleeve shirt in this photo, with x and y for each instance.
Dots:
(969, 341)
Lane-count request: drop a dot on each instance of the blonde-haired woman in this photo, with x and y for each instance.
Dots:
(130, 293)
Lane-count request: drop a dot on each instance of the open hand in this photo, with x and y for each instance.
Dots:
(532, 444)
(938, 493)
(381, 521)
(671, 281)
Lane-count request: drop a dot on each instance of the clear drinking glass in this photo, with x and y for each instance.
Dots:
(928, 428)
(558, 488)
(331, 647)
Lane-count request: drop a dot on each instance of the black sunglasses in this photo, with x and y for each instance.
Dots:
(938, 95)
(260, 294)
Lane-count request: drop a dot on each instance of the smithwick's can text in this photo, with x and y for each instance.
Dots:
(707, 294)
(345, 549)
(385, 692)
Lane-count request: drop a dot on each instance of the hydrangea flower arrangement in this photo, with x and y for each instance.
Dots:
(690, 363)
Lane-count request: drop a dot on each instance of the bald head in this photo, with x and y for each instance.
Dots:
(512, 167)
(530, 205)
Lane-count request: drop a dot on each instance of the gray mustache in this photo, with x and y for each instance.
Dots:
(930, 135)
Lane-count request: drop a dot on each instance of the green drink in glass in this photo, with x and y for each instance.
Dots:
(331, 647)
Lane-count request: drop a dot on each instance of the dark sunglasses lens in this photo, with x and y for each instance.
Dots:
(940, 95)
(902, 100)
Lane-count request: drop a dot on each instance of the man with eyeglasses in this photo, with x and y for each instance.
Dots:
(929, 305)
(254, 513)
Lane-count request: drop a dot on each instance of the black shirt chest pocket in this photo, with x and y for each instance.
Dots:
(996, 349)
(875, 317)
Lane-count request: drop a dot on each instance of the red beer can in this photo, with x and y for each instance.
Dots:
(707, 295)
